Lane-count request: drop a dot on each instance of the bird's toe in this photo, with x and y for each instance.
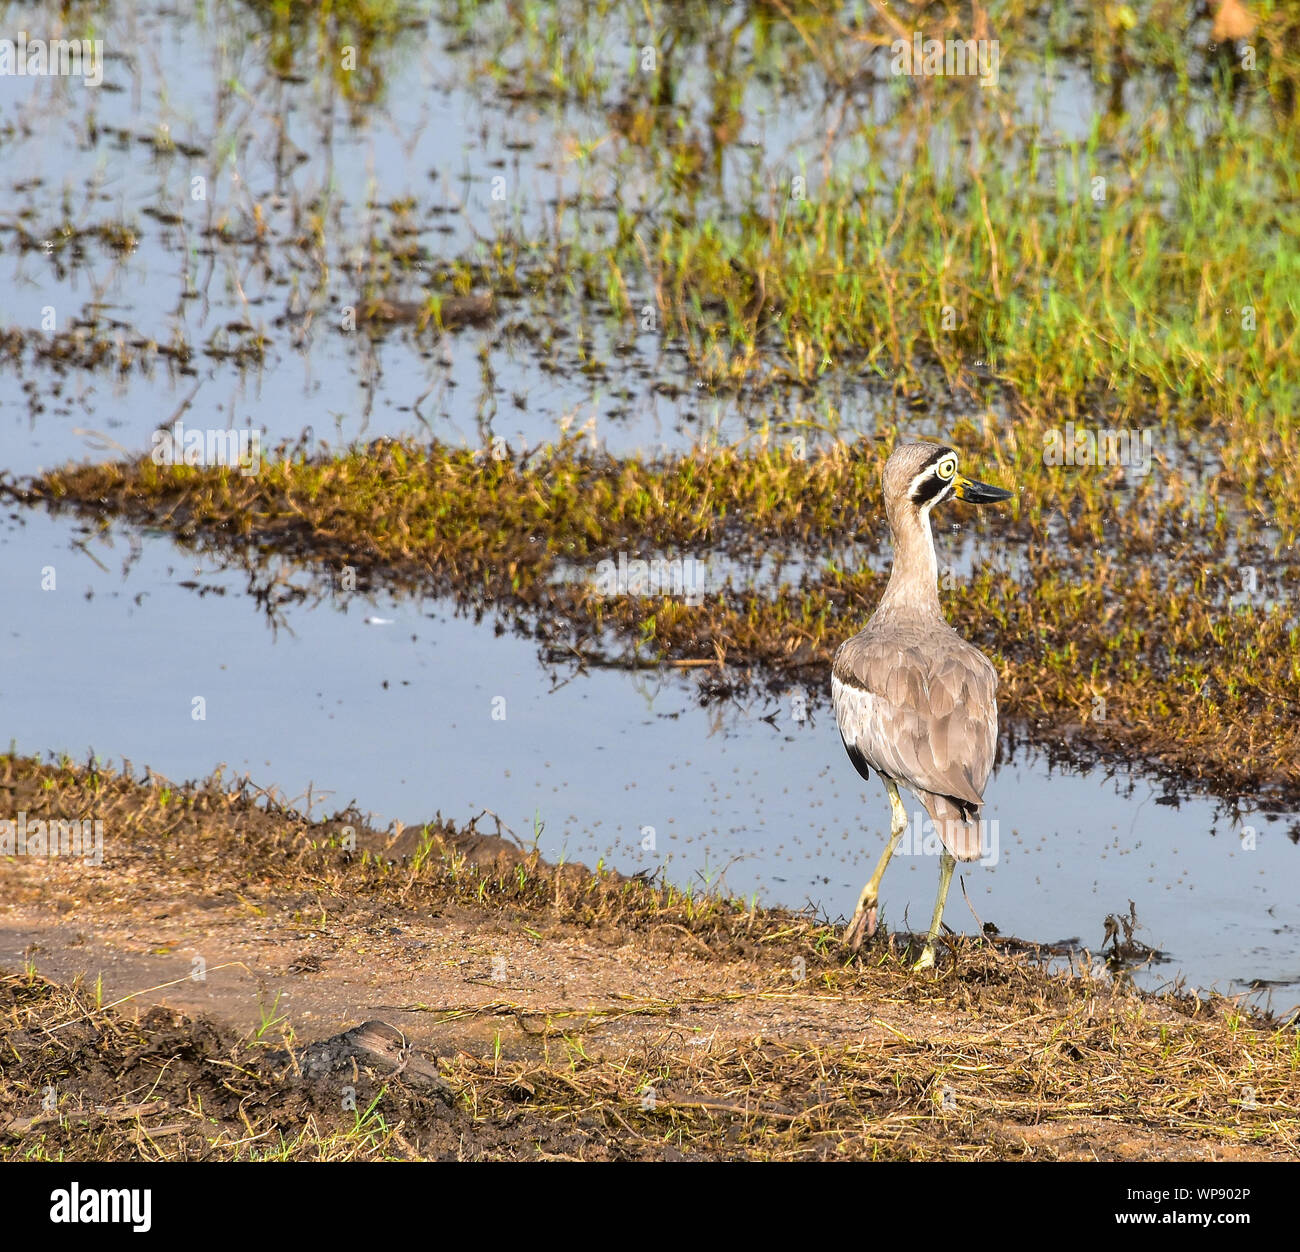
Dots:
(857, 930)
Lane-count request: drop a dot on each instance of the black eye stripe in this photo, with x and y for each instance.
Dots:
(932, 484)
(931, 488)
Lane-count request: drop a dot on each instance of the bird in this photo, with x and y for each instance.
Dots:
(913, 700)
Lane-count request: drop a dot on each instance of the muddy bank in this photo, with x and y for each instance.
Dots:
(235, 982)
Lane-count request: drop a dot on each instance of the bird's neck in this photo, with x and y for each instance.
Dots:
(913, 588)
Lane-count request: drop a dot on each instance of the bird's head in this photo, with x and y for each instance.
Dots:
(921, 475)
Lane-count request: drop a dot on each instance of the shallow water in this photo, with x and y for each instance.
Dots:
(204, 87)
(197, 94)
(397, 713)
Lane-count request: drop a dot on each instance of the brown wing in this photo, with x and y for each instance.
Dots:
(921, 708)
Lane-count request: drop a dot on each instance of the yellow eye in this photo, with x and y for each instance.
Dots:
(947, 468)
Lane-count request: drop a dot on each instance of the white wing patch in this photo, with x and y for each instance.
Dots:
(855, 714)
(868, 723)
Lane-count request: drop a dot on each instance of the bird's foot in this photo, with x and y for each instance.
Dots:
(863, 926)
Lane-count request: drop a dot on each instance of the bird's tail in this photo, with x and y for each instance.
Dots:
(958, 827)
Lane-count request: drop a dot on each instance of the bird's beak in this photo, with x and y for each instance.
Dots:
(979, 493)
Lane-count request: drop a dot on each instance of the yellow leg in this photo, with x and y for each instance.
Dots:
(946, 863)
(864, 916)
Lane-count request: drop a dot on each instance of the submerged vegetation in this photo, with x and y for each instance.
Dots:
(1145, 267)
(351, 43)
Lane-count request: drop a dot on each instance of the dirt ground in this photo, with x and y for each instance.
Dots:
(234, 982)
